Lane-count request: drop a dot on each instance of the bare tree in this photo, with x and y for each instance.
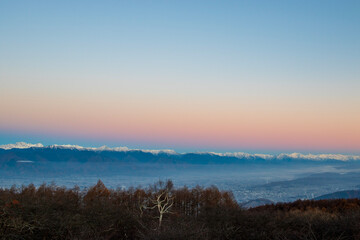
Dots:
(163, 203)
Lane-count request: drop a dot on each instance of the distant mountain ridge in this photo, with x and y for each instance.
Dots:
(238, 155)
(340, 195)
(23, 145)
(256, 203)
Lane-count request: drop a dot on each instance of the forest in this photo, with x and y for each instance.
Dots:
(162, 211)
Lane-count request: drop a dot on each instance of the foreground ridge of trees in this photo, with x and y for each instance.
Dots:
(164, 212)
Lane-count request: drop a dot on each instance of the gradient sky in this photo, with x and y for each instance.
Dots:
(257, 76)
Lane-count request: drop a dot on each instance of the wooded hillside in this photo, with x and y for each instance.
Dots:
(163, 212)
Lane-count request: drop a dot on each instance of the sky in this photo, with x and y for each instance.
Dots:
(256, 76)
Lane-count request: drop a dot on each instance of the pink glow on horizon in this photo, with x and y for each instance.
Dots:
(273, 125)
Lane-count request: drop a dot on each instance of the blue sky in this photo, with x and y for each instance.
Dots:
(164, 67)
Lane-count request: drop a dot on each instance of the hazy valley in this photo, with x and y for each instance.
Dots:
(278, 178)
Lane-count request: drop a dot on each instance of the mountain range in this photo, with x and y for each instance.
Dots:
(211, 156)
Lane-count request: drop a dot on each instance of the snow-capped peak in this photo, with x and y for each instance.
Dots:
(319, 157)
(106, 148)
(103, 148)
(20, 145)
(168, 151)
(245, 155)
(67, 146)
(281, 156)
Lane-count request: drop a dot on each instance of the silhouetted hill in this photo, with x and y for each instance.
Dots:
(349, 194)
(256, 203)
